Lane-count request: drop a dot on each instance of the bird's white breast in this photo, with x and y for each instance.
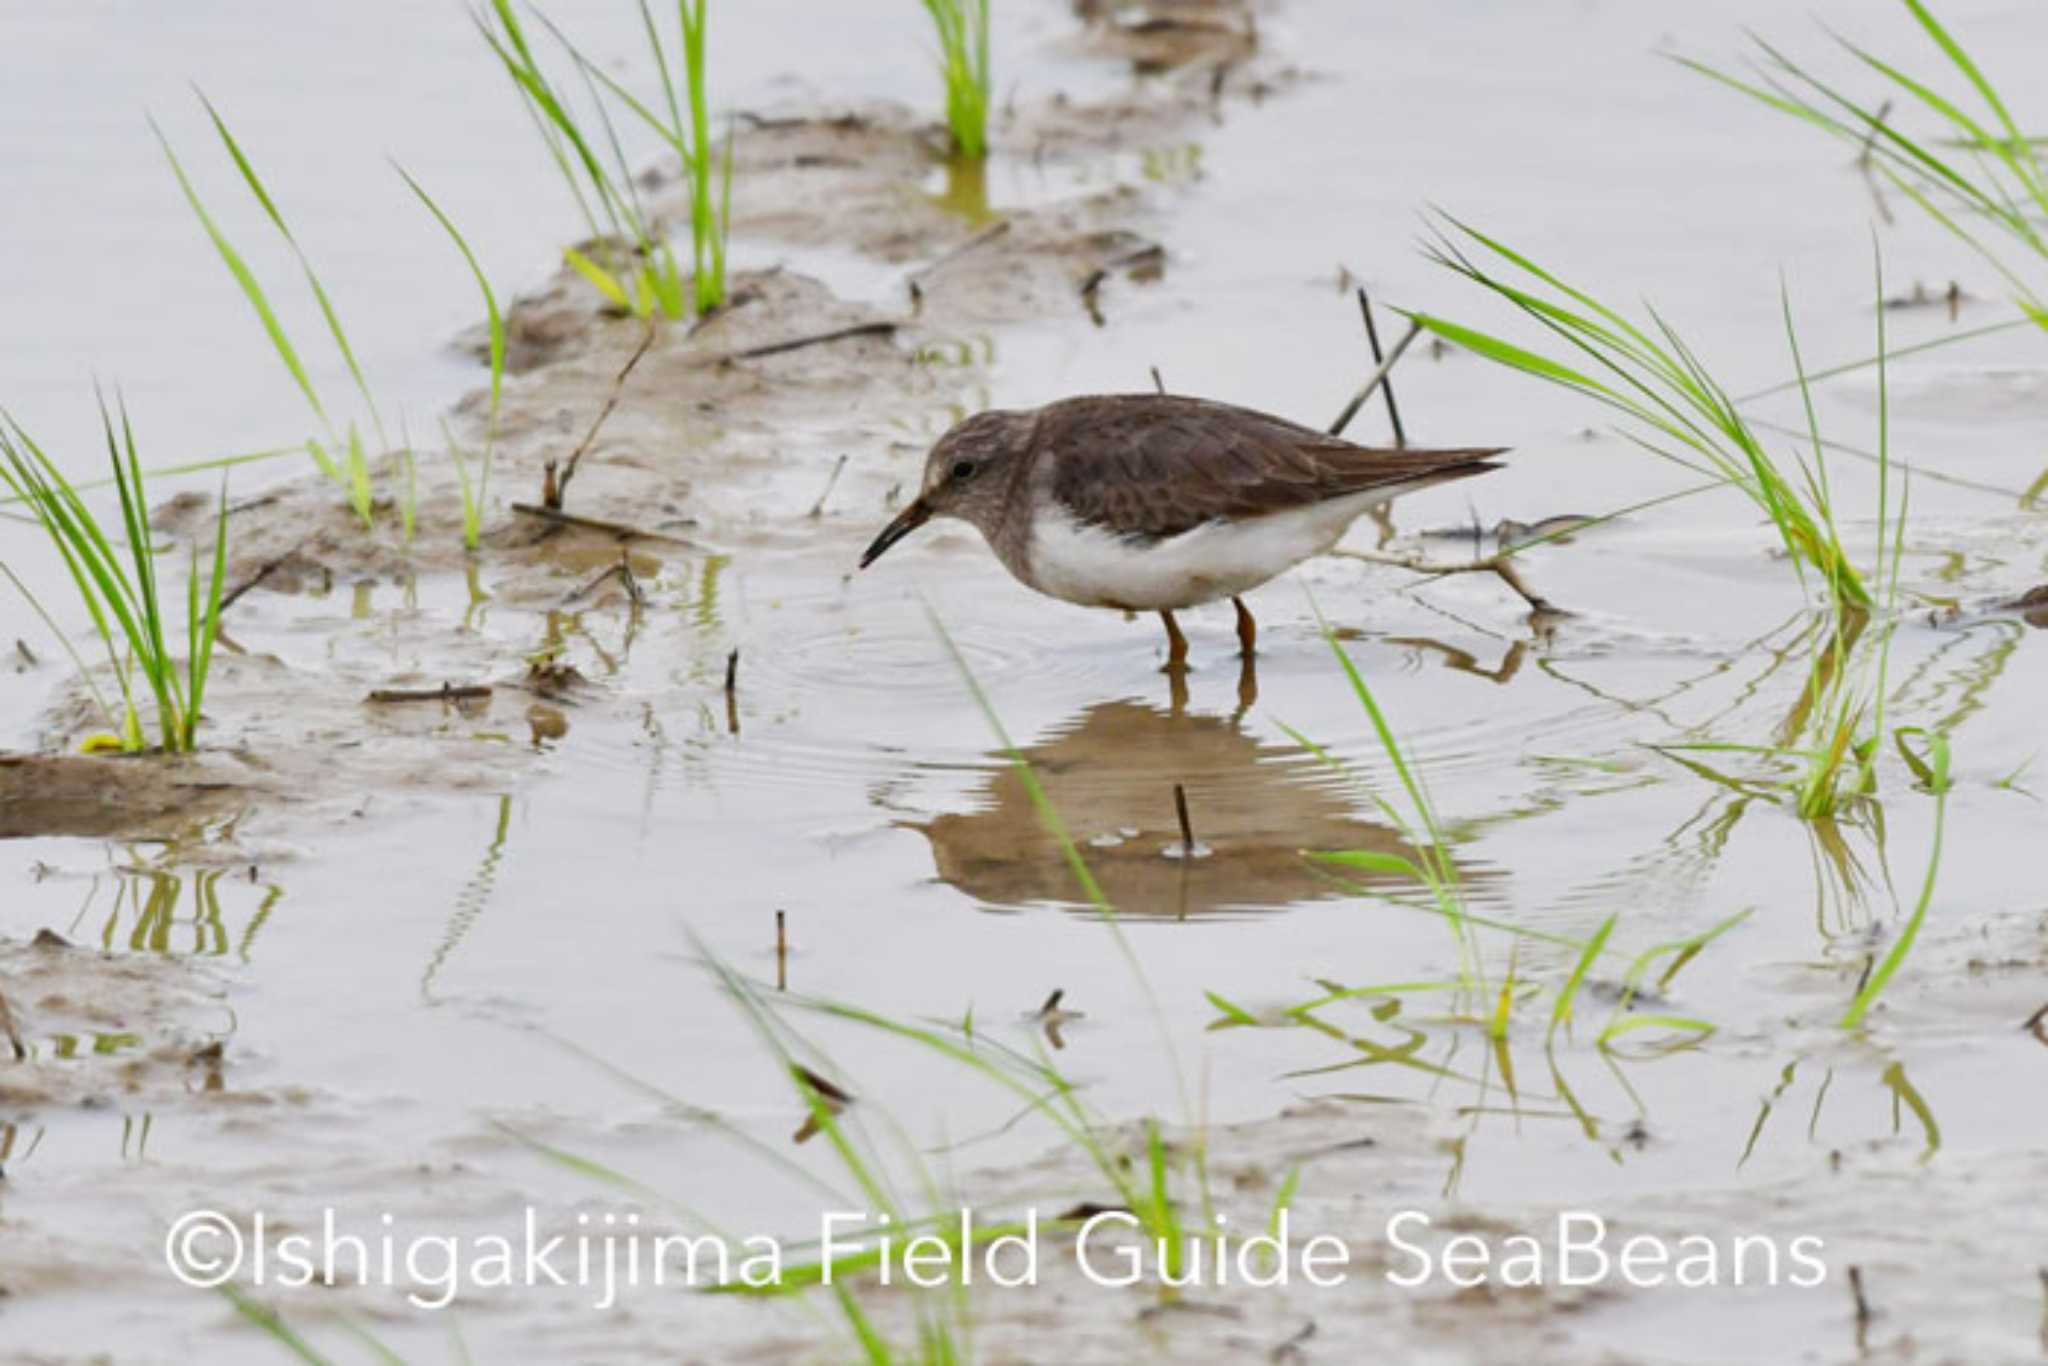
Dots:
(1085, 564)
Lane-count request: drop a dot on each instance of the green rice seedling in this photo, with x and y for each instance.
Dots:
(1684, 1029)
(207, 466)
(1652, 377)
(690, 138)
(492, 313)
(473, 495)
(1982, 173)
(1835, 732)
(650, 279)
(1824, 759)
(944, 1325)
(1143, 1181)
(943, 1317)
(1492, 1007)
(271, 1323)
(351, 471)
(124, 599)
(962, 28)
(1561, 1011)
(1938, 783)
(707, 226)
(409, 491)
(472, 499)
(1418, 826)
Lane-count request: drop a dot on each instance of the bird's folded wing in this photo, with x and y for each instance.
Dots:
(1164, 467)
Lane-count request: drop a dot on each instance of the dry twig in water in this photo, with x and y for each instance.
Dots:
(732, 691)
(881, 328)
(13, 1034)
(553, 490)
(1372, 338)
(619, 529)
(447, 692)
(831, 481)
(623, 572)
(915, 280)
(1379, 377)
(781, 952)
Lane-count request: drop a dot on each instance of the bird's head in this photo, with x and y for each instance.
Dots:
(967, 475)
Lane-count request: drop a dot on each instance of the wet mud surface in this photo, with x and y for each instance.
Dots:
(417, 919)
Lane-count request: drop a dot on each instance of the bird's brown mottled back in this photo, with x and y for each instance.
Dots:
(1156, 465)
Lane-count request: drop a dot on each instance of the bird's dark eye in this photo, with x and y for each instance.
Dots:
(963, 470)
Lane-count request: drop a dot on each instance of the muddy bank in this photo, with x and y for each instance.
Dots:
(88, 1030)
(784, 422)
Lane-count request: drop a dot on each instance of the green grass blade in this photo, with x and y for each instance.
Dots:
(1629, 1024)
(1938, 752)
(240, 270)
(872, 1347)
(1373, 861)
(601, 279)
(359, 496)
(483, 284)
(1562, 1011)
(1964, 64)
(320, 295)
(271, 1322)
(64, 642)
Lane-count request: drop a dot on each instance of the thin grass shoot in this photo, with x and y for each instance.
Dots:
(962, 30)
(123, 596)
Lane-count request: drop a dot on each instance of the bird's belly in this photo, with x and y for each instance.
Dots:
(1085, 564)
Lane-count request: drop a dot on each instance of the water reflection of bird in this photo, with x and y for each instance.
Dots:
(1110, 773)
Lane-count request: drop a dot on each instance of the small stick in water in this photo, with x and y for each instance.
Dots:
(447, 692)
(1864, 1313)
(880, 328)
(1379, 377)
(1188, 848)
(619, 529)
(1051, 1017)
(1372, 337)
(553, 491)
(623, 572)
(781, 953)
(1865, 158)
(263, 571)
(2037, 1024)
(13, 1035)
(818, 508)
(1157, 382)
(732, 691)
(982, 238)
(1870, 135)
(630, 579)
(828, 1098)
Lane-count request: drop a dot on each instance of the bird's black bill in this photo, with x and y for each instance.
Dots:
(907, 521)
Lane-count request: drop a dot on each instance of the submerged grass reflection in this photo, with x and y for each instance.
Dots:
(195, 913)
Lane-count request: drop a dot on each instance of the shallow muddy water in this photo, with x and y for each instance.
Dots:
(428, 939)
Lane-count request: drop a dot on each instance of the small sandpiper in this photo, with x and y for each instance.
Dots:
(1155, 502)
